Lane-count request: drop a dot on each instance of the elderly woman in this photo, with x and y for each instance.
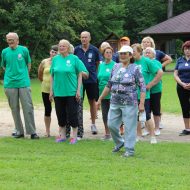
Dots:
(104, 72)
(155, 91)
(163, 58)
(66, 78)
(123, 84)
(160, 55)
(182, 77)
(44, 76)
(148, 69)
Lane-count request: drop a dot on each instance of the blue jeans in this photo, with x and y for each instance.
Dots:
(127, 114)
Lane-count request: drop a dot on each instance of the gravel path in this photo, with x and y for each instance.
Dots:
(173, 125)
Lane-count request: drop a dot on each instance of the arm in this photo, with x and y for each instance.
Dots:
(142, 99)
(105, 92)
(166, 60)
(85, 75)
(40, 72)
(79, 86)
(29, 67)
(178, 80)
(156, 79)
(51, 89)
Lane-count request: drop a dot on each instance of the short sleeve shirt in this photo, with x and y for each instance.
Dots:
(158, 87)
(124, 84)
(104, 72)
(148, 68)
(89, 58)
(183, 68)
(65, 72)
(15, 62)
(160, 55)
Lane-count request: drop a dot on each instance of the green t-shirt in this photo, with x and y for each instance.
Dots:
(15, 62)
(158, 87)
(148, 68)
(104, 72)
(65, 74)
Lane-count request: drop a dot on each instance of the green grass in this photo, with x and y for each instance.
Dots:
(170, 101)
(90, 165)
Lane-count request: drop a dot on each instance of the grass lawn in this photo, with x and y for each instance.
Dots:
(90, 165)
(170, 101)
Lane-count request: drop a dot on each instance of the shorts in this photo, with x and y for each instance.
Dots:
(91, 90)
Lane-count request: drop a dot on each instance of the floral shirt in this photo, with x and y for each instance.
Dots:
(124, 84)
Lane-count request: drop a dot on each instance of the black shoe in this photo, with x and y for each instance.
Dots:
(18, 136)
(116, 149)
(184, 132)
(14, 134)
(34, 136)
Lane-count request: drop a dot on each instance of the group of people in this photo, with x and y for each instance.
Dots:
(126, 84)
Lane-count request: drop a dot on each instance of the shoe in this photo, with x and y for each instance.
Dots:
(73, 140)
(153, 140)
(157, 132)
(145, 133)
(117, 149)
(161, 126)
(106, 137)
(138, 138)
(59, 139)
(79, 138)
(18, 136)
(184, 132)
(94, 129)
(126, 155)
(34, 136)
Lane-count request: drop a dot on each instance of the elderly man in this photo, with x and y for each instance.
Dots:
(124, 41)
(17, 63)
(90, 56)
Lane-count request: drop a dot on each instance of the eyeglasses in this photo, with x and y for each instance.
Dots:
(10, 40)
(123, 53)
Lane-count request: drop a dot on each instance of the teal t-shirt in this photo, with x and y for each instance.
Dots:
(148, 68)
(104, 72)
(65, 74)
(158, 87)
(15, 62)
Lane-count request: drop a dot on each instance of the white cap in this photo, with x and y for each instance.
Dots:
(125, 49)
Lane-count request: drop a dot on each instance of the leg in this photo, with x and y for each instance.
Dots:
(72, 115)
(184, 98)
(28, 110)
(91, 91)
(105, 108)
(155, 108)
(114, 122)
(80, 119)
(129, 117)
(13, 100)
(60, 108)
(48, 109)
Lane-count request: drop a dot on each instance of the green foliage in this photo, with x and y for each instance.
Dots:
(42, 23)
(90, 165)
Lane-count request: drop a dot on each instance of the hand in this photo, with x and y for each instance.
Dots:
(185, 86)
(141, 107)
(51, 96)
(98, 103)
(188, 86)
(78, 95)
(148, 86)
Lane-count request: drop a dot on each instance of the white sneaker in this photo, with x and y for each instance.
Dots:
(138, 138)
(79, 138)
(94, 129)
(157, 132)
(145, 133)
(153, 140)
(161, 126)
